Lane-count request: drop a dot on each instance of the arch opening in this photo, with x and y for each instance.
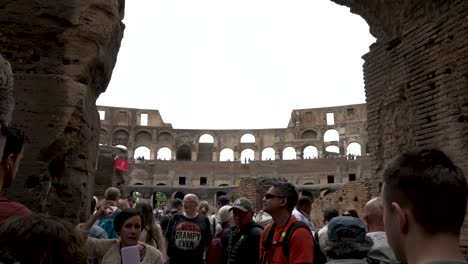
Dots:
(247, 155)
(353, 150)
(226, 154)
(164, 153)
(310, 152)
(331, 135)
(206, 138)
(184, 153)
(289, 153)
(268, 154)
(247, 138)
(141, 154)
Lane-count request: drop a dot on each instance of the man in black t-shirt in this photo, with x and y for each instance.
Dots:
(176, 207)
(188, 234)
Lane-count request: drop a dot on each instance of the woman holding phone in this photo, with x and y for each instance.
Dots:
(128, 225)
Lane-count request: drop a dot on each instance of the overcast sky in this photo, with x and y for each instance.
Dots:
(217, 64)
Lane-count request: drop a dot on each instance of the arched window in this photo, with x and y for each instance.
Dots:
(226, 154)
(184, 153)
(331, 135)
(120, 137)
(268, 154)
(206, 138)
(310, 152)
(179, 195)
(142, 153)
(143, 138)
(332, 149)
(165, 137)
(164, 153)
(247, 138)
(309, 134)
(289, 153)
(354, 149)
(247, 155)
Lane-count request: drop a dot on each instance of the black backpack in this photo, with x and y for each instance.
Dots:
(267, 242)
(319, 257)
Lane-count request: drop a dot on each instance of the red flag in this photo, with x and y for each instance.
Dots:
(121, 164)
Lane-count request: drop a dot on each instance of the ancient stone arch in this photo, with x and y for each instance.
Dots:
(143, 138)
(309, 134)
(184, 153)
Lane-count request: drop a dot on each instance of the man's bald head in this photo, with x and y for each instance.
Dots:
(191, 197)
(374, 215)
(190, 204)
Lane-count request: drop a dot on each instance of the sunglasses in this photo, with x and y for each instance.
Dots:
(269, 196)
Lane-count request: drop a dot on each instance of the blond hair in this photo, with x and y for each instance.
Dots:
(112, 194)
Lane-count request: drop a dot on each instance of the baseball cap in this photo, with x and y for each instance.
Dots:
(223, 200)
(224, 213)
(242, 204)
(348, 228)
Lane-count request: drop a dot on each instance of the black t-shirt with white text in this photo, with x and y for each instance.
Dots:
(188, 238)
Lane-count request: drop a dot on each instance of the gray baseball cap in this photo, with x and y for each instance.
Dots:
(242, 204)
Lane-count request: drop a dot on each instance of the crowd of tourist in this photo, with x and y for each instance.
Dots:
(417, 220)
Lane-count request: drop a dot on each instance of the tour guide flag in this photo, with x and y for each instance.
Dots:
(121, 164)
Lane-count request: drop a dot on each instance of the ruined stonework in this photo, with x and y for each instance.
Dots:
(416, 79)
(106, 174)
(351, 195)
(198, 165)
(62, 54)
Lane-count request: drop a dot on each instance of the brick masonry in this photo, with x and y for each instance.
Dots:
(416, 80)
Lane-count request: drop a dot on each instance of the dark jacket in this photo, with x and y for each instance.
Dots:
(243, 246)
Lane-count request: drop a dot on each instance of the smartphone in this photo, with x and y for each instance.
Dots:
(130, 255)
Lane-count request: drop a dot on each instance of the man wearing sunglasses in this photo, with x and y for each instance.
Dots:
(279, 202)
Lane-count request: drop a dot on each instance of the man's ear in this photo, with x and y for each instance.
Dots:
(402, 217)
(284, 202)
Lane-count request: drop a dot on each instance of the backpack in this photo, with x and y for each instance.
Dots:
(319, 257)
(107, 223)
(214, 250)
(267, 242)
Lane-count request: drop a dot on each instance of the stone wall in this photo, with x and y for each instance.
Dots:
(215, 173)
(62, 54)
(106, 175)
(307, 127)
(416, 79)
(352, 195)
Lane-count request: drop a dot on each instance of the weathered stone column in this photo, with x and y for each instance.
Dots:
(62, 54)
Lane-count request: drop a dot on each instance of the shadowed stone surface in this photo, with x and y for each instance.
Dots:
(416, 80)
(62, 54)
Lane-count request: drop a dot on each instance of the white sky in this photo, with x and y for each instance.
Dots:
(217, 64)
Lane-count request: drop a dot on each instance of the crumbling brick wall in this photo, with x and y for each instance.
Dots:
(353, 195)
(416, 80)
